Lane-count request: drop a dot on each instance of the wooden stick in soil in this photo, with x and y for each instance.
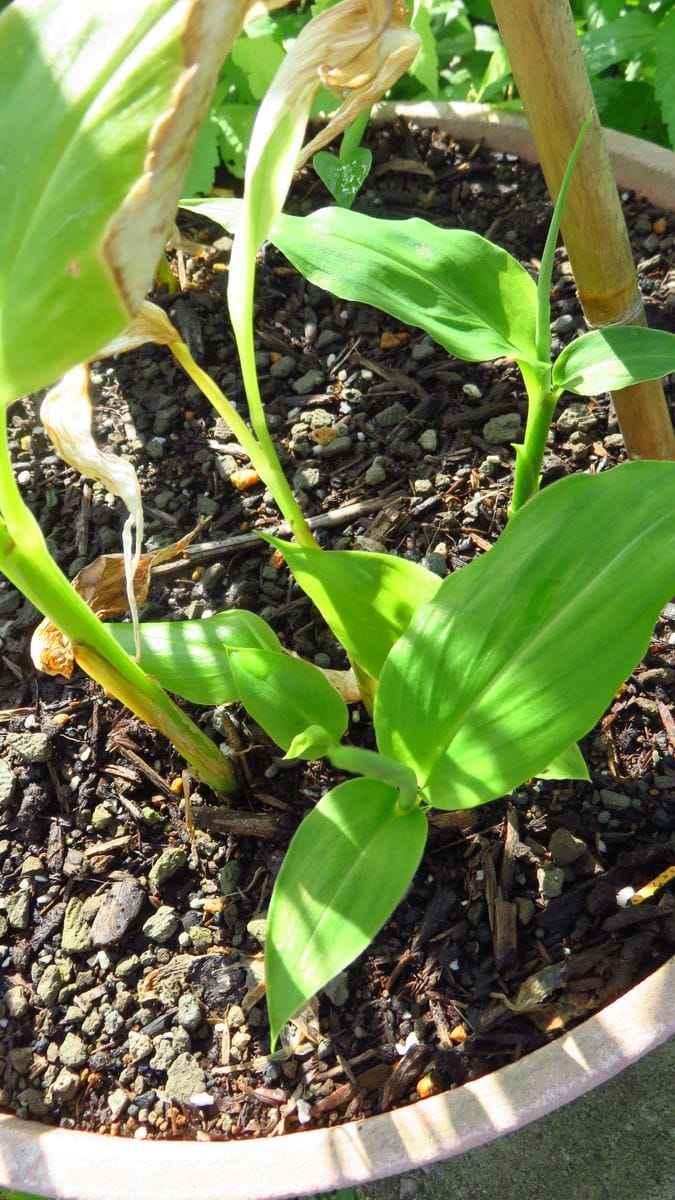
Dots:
(541, 40)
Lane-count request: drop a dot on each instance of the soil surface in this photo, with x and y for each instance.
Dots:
(132, 997)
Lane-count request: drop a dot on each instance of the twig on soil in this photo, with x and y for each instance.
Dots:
(226, 820)
(208, 551)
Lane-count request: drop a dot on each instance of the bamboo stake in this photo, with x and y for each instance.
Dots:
(541, 40)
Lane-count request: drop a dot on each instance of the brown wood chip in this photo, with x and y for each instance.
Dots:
(405, 1075)
(245, 824)
(368, 1081)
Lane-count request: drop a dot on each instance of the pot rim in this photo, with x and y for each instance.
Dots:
(638, 165)
(72, 1165)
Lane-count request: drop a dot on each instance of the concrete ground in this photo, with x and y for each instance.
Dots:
(616, 1143)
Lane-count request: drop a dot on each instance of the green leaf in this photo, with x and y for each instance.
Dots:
(664, 83)
(519, 653)
(365, 599)
(313, 742)
(496, 73)
(287, 695)
(469, 295)
(259, 58)
(425, 66)
(343, 178)
(224, 211)
(543, 318)
(234, 123)
(606, 359)
(88, 110)
(189, 658)
(376, 766)
(568, 765)
(630, 106)
(628, 37)
(201, 173)
(346, 869)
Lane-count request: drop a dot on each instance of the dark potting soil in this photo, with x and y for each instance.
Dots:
(132, 1000)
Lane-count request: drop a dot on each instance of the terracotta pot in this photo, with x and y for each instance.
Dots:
(82, 1166)
(87, 1166)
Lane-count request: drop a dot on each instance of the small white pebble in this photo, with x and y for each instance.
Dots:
(624, 896)
(140, 1134)
(473, 392)
(304, 1112)
(402, 1048)
(201, 1100)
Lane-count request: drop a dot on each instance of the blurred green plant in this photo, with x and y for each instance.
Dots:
(629, 50)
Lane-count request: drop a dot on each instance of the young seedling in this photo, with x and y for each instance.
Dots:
(482, 680)
(345, 174)
(492, 676)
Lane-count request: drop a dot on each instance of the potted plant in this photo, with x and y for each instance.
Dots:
(392, 781)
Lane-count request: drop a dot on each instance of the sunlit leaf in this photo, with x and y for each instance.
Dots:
(606, 359)
(286, 695)
(99, 107)
(346, 869)
(568, 765)
(469, 295)
(520, 652)
(190, 659)
(365, 599)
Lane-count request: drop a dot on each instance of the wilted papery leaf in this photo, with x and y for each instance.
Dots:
(359, 47)
(150, 324)
(367, 46)
(102, 583)
(344, 683)
(66, 416)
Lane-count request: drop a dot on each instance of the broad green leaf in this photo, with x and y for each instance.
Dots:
(519, 653)
(664, 83)
(365, 599)
(259, 58)
(568, 765)
(225, 211)
(469, 295)
(425, 66)
(343, 176)
(628, 37)
(630, 106)
(234, 123)
(201, 173)
(286, 695)
(346, 869)
(606, 359)
(189, 658)
(99, 108)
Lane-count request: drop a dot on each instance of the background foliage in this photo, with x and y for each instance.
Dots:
(629, 50)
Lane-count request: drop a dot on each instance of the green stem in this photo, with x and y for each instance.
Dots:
(543, 324)
(259, 445)
(25, 560)
(530, 454)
